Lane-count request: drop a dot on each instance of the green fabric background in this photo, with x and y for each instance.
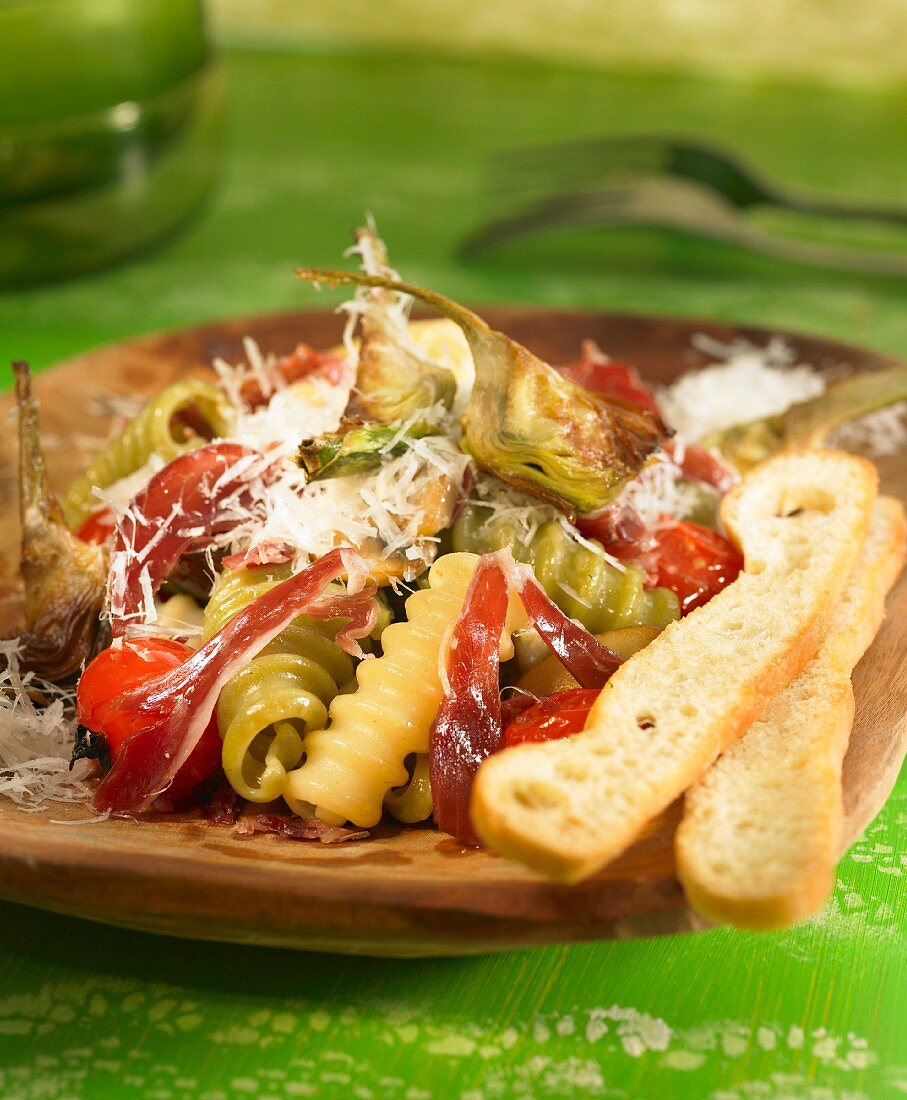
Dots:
(815, 1013)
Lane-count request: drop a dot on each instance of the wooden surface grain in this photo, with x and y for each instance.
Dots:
(405, 892)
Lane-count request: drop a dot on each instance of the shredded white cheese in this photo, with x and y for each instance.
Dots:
(303, 410)
(389, 504)
(527, 514)
(880, 433)
(747, 384)
(36, 742)
(660, 489)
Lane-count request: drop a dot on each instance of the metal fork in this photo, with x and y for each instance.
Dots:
(683, 185)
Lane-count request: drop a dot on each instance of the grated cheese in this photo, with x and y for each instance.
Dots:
(527, 514)
(36, 743)
(660, 489)
(308, 408)
(879, 433)
(388, 504)
(747, 383)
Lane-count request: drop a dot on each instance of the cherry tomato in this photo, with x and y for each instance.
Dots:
(130, 665)
(597, 373)
(698, 464)
(291, 368)
(554, 716)
(693, 561)
(98, 527)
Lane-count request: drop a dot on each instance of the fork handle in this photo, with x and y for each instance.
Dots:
(788, 200)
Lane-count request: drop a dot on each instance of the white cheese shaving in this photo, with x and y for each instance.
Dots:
(308, 408)
(660, 489)
(527, 514)
(118, 496)
(389, 504)
(749, 383)
(879, 433)
(36, 742)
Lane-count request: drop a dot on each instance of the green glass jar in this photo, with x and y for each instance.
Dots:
(110, 130)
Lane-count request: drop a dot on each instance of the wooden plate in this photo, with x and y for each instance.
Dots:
(407, 891)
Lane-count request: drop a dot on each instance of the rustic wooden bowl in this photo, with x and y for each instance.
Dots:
(407, 891)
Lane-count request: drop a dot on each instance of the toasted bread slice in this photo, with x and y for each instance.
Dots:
(761, 831)
(568, 807)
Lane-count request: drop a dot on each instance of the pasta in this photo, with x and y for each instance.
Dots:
(413, 803)
(156, 430)
(351, 765)
(585, 585)
(265, 710)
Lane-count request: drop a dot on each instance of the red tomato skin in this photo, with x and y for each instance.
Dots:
(693, 561)
(551, 718)
(129, 665)
(610, 379)
(98, 527)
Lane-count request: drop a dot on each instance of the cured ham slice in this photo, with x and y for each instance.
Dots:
(194, 497)
(468, 727)
(171, 712)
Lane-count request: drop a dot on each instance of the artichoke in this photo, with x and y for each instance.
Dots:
(810, 423)
(394, 380)
(64, 578)
(357, 448)
(527, 424)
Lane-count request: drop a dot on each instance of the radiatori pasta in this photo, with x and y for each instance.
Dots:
(352, 765)
(412, 803)
(266, 709)
(581, 582)
(156, 431)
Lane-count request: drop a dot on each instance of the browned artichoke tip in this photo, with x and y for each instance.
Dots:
(357, 448)
(64, 578)
(526, 423)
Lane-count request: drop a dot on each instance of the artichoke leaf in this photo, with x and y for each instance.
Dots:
(357, 448)
(808, 424)
(527, 424)
(394, 380)
(64, 578)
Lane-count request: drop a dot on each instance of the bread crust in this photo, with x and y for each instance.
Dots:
(761, 831)
(567, 808)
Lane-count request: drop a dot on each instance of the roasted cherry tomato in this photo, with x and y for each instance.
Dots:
(129, 665)
(693, 561)
(552, 717)
(599, 374)
(98, 527)
(698, 464)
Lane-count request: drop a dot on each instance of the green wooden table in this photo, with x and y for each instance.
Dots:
(818, 1012)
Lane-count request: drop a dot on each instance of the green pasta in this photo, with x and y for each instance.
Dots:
(412, 803)
(584, 584)
(264, 712)
(156, 430)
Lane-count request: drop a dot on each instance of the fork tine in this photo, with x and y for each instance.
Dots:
(568, 163)
(556, 212)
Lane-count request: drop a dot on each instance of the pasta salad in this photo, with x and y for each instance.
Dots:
(329, 584)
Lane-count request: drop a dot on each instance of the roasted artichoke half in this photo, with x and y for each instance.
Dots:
(527, 424)
(64, 578)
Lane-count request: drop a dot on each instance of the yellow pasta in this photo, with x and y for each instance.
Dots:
(351, 765)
